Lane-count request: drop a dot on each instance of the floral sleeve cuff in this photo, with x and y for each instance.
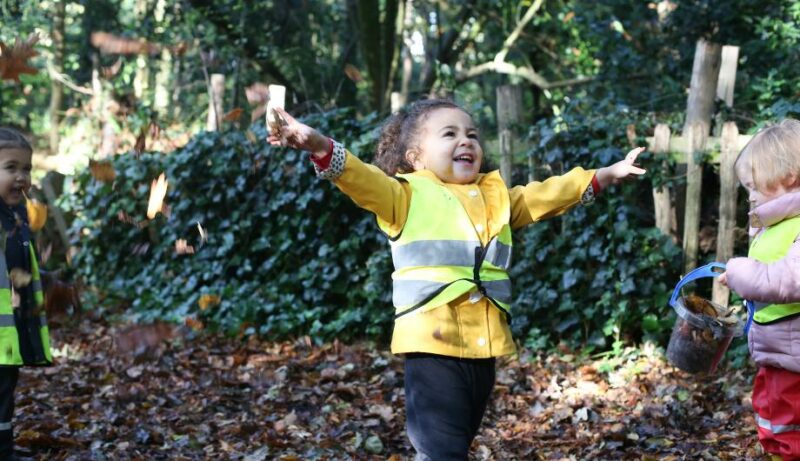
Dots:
(591, 192)
(335, 163)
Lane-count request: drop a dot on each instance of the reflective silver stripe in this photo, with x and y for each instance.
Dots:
(7, 320)
(500, 290)
(435, 253)
(499, 254)
(5, 426)
(407, 293)
(448, 253)
(777, 429)
(4, 281)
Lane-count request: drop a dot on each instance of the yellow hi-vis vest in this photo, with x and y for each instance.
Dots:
(9, 336)
(769, 246)
(438, 255)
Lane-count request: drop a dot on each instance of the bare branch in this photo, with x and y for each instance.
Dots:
(501, 56)
(58, 76)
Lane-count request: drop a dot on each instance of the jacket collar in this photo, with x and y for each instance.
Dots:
(776, 210)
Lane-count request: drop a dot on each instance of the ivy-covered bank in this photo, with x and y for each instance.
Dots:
(288, 254)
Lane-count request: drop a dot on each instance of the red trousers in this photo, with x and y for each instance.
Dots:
(776, 401)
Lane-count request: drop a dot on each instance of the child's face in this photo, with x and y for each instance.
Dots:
(756, 196)
(15, 175)
(448, 146)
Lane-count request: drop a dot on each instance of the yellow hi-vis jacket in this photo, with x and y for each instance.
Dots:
(438, 256)
(10, 349)
(770, 246)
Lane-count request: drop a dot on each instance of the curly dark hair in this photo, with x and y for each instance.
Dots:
(13, 139)
(400, 131)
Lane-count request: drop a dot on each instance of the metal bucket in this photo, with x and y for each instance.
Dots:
(699, 341)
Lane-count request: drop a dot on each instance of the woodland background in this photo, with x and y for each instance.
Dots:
(250, 246)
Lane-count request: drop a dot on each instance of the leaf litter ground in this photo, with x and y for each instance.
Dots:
(201, 396)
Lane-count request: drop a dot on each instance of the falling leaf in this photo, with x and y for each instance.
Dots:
(14, 59)
(113, 44)
(20, 278)
(183, 248)
(194, 324)
(61, 296)
(233, 115)
(158, 191)
(140, 339)
(203, 234)
(353, 73)
(103, 170)
(251, 136)
(206, 301)
(37, 214)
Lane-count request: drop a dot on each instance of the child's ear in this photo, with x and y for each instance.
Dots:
(412, 157)
(792, 181)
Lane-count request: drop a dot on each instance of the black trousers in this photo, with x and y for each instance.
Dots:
(8, 382)
(445, 401)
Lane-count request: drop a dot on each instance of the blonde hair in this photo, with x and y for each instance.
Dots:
(774, 154)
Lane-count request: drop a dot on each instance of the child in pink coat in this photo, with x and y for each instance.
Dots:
(769, 168)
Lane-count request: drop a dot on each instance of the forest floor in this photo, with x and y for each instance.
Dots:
(147, 393)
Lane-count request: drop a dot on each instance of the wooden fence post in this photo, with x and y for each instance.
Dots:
(699, 108)
(509, 112)
(727, 204)
(215, 102)
(727, 74)
(666, 219)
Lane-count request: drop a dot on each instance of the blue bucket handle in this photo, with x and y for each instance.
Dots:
(751, 311)
(700, 272)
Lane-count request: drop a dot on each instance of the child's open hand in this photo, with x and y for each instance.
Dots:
(289, 132)
(621, 170)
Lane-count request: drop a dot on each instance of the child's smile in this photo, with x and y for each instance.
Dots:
(449, 146)
(15, 175)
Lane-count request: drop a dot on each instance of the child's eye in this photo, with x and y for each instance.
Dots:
(473, 135)
(449, 134)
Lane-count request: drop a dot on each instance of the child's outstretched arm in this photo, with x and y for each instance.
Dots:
(554, 196)
(776, 282)
(368, 186)
(623, 169)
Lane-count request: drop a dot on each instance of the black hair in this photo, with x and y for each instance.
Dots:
(400, 131)
(13, 139)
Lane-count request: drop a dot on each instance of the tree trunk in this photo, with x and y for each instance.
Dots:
(56, 87)
(379, 44)
(216, 92)
(509, 113)
(699, 108)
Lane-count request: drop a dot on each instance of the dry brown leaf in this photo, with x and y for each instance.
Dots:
(194, 324)
(14, 59)
(207, 301)
(233, 115)
(353, 73)
(103, 170)
(37, 214)
(183, 248)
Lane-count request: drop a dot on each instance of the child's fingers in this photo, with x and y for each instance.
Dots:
(631, 156)
(288, 119)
